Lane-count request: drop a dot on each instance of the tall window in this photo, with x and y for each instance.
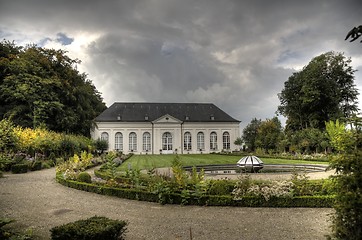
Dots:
(132, 142)
(167, 141)
(146, 142)
(187, 141)
(213, 141)
(118, 141)
(200, 141)
(104, 136)
(226, 140)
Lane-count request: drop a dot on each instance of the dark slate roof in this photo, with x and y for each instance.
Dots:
(187, 112)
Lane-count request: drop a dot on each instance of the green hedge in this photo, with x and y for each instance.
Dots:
(204, 200)
(19, 168)
(94, 228)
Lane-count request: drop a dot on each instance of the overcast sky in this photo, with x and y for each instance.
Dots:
(235, 54)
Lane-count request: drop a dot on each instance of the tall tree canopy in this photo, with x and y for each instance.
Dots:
(250, 133)
(324, 90)
(41, 86)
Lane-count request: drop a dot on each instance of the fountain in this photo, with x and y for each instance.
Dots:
(250, 164)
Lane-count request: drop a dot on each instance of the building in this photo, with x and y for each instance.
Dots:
(165, 128)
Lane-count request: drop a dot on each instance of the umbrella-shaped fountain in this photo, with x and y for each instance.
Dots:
(250, 164)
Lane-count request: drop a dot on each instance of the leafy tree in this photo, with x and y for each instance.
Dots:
(238, 142)
(42, 87)
(268, 134)
(324, 90)
(250, 133)
(8, 138)
(347, 221)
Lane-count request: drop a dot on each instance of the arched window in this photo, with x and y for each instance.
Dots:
(132, 142)
(167, 141)
(104, 136)
(226, 140)
(118, 141)
(200, 141)
(146, 142)
(187, 141)
(213, 141)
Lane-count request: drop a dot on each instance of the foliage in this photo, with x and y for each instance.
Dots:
(268, 134)
(75, 165)
(179, 173)
(19, 168)
(42, 87)
(324, 90)
(101, 145)
(8, 139)
(84, 177)
(347, 221)
(238, 142)
(165, 194)
(92, 228)
(250, 133)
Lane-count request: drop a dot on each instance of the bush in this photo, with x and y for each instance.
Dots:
(84, 177)
(91, 229)
(35, 166)
(221, 187)
(19, 168)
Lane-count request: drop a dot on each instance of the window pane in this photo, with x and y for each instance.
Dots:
(118, 141)
(132, 142)
(146, 141)
(200, 141)
(226, 140)
(187, 141)
(213, 141)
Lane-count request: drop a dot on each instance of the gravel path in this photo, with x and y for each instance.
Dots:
(36, 200)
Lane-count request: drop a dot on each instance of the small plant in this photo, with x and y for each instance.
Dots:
(179, 173)
(241, 187)
(84, 177)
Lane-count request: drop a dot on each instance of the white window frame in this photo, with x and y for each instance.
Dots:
(200, 141)
(118, 141)
(226, 140)
(187, 141)
(132, 142)
(146, 141)
(213, 141)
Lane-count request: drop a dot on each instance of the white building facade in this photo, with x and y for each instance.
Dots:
(166, 128)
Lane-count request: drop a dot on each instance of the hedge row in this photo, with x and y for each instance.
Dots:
(205, 200)
(91, 228)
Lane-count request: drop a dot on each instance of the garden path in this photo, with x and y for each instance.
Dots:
(36, 200)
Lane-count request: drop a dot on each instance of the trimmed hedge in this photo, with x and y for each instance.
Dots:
(19, 168)
(205, 200)
(94, 228)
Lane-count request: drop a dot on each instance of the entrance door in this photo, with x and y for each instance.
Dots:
(167, 143)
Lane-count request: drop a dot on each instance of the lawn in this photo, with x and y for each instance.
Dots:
(158, 161)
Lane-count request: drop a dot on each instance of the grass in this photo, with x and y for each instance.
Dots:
(158, 161)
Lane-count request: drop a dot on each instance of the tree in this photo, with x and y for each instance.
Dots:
(42, 87)
(238, 142)
(324, 90)
(347, 221)
(250, 133)
(268, 134)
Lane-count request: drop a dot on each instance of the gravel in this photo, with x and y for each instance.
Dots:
(36, 201)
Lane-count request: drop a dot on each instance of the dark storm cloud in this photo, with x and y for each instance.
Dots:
(236, 54)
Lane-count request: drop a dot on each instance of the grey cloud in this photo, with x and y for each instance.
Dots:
(236, 54)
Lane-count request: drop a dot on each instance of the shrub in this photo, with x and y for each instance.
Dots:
(19, 168)
(35, 166)
(220, 187)
(84, 177)
(92, 228)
